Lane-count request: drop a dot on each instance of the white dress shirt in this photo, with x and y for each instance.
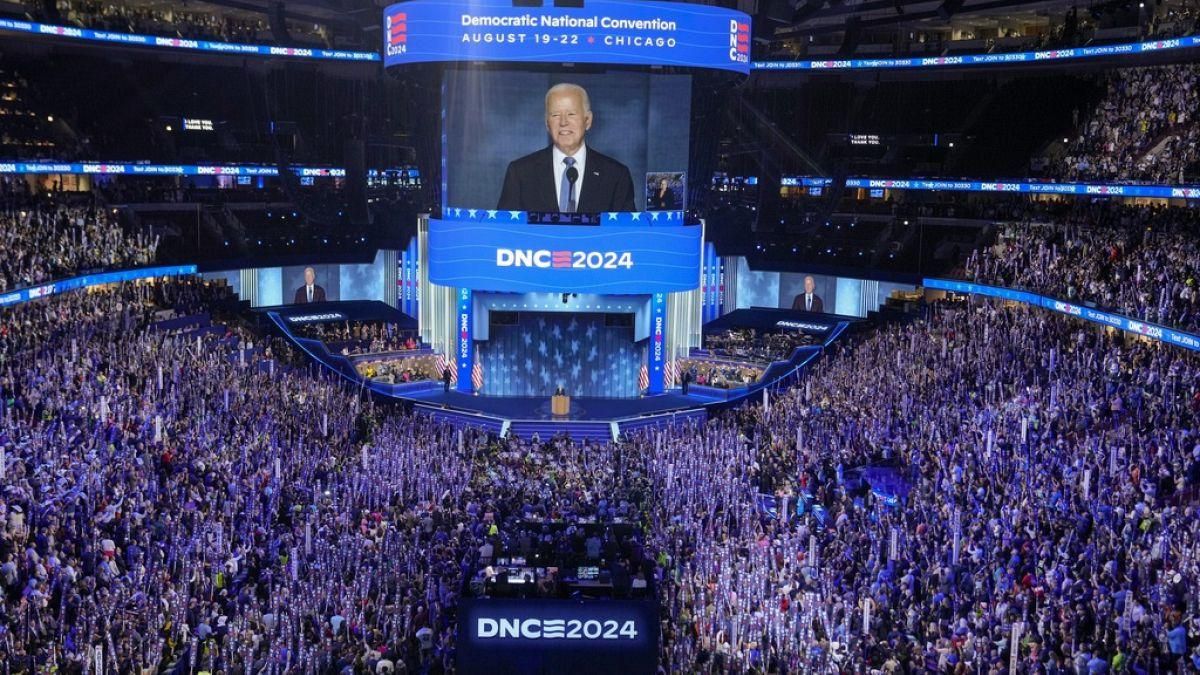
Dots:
(808, 301)
(310, 293)
(560, 168)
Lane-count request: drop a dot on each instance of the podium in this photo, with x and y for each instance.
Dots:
(560, 405)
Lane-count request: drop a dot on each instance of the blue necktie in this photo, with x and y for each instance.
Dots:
(566, 200)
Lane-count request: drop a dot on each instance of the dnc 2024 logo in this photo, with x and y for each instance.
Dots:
(555, 629)
(396, 28)
(739, 41)
(562, 260)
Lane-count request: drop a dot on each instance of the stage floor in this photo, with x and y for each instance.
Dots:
(538, 407)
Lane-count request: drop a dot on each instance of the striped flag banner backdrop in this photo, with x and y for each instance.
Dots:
(477, 372)
(440, 363)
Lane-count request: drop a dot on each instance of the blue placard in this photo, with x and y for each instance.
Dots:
(74, 283)
(1125, 49)
(132, 39)
(521, 258)
(621, 32)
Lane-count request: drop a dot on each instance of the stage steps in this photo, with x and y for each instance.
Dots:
(493, 425)
(547, 429)
(697, 416)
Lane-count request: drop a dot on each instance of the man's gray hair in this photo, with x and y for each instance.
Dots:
(568, 88)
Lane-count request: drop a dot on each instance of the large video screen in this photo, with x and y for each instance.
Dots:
(530, 635)
(629, 32)
(814, 293)
(507, 134)
(309, 284)
(497, 255)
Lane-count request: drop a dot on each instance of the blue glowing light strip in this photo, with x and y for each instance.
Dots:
(74, 283)
(102, 168)
(132, 39)
(1149, 330)
(1126, 49)
(649, 218)
(1088, 189)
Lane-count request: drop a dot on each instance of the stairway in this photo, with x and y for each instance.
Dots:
(546, 429)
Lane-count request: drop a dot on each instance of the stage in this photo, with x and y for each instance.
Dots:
(591, 417)
(582, 409)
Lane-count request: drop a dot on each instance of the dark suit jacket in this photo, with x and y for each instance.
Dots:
(529, 184)
(664, 203)
(302, 295)
(817, 305)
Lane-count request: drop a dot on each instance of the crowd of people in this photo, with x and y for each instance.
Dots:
(400, 369)
(361, 337)
(1143, 129)
(1140, 261)
(172, 21)
(712, 372)
(1048, 525)
(556, 506)
(47, 240)
(24, 133)
(186, 500)
(748, 343)
(171, 503)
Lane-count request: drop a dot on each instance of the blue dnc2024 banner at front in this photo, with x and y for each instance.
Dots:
(619, 32)
(520, 258)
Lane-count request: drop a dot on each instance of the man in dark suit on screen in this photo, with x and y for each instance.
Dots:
(567, 176)
(809, 301)
(310, 291)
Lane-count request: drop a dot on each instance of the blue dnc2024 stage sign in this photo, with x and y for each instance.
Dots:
(520, 258)
(501, 635)
(602, 31)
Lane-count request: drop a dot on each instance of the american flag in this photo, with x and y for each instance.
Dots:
(643, 377)
(669, 373)
(477, 372)
(439, 361)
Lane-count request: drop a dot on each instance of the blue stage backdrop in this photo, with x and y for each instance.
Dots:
(542, 351)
